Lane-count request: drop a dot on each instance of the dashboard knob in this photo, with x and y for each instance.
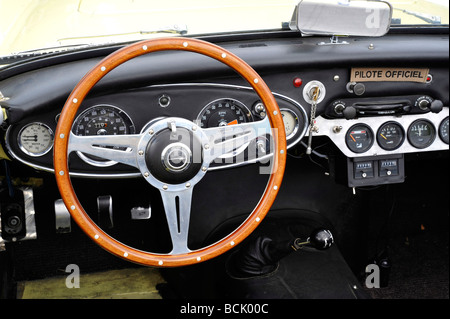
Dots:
(339, 108)
(357, 88)
(436, 106)
(349, 112)
(423, 104)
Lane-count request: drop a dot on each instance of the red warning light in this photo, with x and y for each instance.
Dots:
(298, 82)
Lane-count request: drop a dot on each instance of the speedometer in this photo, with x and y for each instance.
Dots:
(223, 112)
(102, 120)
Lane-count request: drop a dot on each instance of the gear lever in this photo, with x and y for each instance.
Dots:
(260, 256)
(320, 239)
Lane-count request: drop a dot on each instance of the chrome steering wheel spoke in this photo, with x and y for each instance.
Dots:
(118, 148)
(177, 207)
(223, 140)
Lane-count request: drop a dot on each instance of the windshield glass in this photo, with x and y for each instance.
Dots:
(38, 24)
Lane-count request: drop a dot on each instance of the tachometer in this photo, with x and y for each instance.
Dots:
(223, 112)
(102, 120)
(35, 139)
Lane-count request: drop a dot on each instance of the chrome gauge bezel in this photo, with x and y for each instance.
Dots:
(297, 123)
(121, 113)
(443, 137)
(400, 130)
(369, 142)
(432, 136)
(24, 148)
(241, 105)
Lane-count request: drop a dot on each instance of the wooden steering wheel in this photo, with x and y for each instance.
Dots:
(173, 168)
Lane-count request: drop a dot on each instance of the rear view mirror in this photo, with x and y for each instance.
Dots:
(342, 17)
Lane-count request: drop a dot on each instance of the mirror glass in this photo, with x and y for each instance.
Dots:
(342, 17)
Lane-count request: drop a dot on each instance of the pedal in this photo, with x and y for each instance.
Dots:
(62, 218)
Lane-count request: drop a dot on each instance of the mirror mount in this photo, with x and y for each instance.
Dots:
(342, 18)
(333, 41)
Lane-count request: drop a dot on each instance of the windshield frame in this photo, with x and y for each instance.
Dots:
(15, 55)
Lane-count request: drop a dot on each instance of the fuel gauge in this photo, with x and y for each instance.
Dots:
(390, 136)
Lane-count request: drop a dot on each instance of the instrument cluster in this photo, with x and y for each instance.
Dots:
(383, 135)
(31, 141)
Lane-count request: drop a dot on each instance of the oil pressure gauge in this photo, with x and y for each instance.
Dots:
(35, 139)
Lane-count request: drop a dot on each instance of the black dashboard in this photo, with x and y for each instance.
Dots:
(360, 152)
(372, 123)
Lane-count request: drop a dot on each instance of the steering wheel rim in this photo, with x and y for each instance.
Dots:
(63, 132)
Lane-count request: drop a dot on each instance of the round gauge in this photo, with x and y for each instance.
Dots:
(223, 112)
(359, 138)
(390, 136)
(421, 133)
(35, 139)
(443, 130)
(290, 121)
(102, 120)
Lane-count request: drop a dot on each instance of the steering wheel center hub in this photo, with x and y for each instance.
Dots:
(176, 157)
(172, 153)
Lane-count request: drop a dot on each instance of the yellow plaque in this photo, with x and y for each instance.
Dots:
(389, 74)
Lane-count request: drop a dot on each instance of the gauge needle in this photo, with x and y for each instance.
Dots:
(383, 136)
(233, 122)
(353, 138)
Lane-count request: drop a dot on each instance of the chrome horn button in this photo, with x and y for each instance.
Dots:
(176, 157)
(171, 154)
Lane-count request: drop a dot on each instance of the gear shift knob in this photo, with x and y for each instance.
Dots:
(319, 239)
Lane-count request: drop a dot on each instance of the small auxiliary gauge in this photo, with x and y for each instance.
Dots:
(359, 138)
(421, 133)
(390, 136)
(35, 139)
(290, 121)
(443, 130)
